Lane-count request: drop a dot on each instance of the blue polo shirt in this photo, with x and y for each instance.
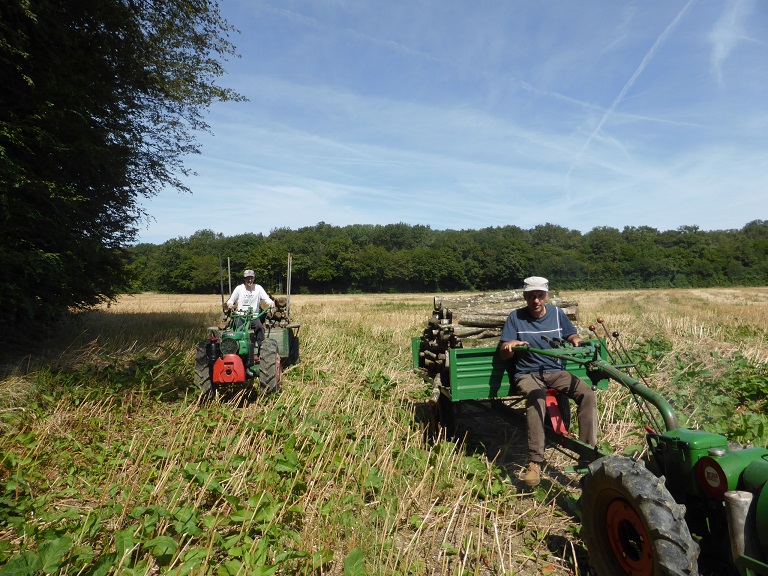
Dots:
(520, 325)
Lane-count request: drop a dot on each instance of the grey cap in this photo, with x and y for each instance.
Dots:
(535, 283)
(249, 273)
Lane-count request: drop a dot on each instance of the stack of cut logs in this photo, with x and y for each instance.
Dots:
(438, 337)
(477, 319)
(482, 316)
(278, 317)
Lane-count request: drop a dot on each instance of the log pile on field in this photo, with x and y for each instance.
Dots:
(279, 316)
(476, 320)
(482, 316)
(438, 337)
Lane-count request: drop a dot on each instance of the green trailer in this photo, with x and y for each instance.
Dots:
(479, 374)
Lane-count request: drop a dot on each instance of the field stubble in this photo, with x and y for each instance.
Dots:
(336, 467)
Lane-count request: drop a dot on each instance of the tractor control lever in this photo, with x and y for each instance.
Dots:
(554, 342)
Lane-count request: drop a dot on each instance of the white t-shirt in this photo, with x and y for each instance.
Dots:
(249, 298)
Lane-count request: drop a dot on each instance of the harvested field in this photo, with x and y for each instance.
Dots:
(339, 458)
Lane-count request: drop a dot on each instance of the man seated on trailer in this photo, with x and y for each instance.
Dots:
(533, 374)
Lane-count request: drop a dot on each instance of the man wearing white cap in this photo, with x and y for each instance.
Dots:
(536, 325)
(249, 295)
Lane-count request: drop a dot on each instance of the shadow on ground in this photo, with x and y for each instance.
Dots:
(501, 437)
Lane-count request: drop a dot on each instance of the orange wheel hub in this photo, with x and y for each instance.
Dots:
(629, 539)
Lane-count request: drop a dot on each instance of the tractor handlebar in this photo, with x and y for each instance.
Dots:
(588, 355)
(248, 315)
(566, 351)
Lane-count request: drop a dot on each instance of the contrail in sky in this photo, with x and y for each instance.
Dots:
(651, 52)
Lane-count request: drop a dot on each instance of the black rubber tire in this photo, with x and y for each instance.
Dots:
(270, 368)
(202, 381)
(631, 524)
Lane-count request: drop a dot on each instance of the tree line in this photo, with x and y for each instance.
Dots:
(416, 258)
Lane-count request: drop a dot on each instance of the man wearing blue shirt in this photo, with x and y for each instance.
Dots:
(534, 373)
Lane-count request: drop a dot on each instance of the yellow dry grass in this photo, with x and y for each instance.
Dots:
(725, 319)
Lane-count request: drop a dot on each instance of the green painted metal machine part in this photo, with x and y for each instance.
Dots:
(761, 516)
(234, 342)
(236, 338)
(481, 374)
(755, 478)
(415, 349)
(680, 450)
(285, 338)
(756, 475)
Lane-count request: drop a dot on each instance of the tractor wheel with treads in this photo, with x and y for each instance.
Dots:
(202, 381)
(631, 524)
(270, 368)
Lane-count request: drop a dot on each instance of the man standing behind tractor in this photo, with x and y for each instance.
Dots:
(249, 295)
(533, 326)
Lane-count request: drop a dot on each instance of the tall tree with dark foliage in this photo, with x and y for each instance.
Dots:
(100, 103)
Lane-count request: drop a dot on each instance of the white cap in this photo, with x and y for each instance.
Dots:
(248, 273)
(535, 283)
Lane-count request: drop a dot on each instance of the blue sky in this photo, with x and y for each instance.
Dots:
(465, 115)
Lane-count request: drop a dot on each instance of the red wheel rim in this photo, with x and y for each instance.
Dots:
(629, 539)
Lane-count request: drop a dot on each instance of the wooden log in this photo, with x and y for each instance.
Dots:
(482, 314)
(491, 333)
(497, 318)
(466, 331)
(572, 312)
(483, 334)
(429, 354)
(508, 299)
(279, 316)
(482, 320)
(478, 300)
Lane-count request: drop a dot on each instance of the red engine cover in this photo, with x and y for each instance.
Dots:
(229, 370)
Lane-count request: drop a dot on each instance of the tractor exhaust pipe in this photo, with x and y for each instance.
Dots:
(741, 521)
(288, 286)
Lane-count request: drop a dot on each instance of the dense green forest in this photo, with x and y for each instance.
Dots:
(406, 258)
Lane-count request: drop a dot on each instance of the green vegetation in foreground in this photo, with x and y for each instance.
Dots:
(728, 396)
(106, 465)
